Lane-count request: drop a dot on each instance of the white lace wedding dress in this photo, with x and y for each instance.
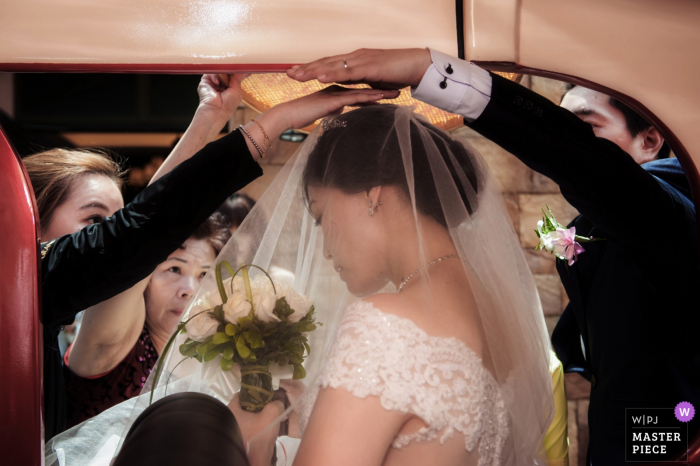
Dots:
(440, 380)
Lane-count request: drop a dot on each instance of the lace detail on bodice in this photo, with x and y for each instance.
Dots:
(438, 379)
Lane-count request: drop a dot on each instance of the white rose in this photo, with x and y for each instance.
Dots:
(298, 302)
(237, 306)
(264, 305)
(201, 326)
(262, 283)
(238, 285)
(301, 305)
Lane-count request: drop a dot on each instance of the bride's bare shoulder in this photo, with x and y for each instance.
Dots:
(393, 303)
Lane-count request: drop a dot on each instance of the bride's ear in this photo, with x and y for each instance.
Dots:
(373, 197)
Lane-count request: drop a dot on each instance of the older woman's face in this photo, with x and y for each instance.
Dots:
(91, 198)
(174, 282)
(352, 239)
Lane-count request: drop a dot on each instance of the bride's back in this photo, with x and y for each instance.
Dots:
(445, 309)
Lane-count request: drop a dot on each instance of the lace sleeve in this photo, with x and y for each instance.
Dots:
(438, 379)
(364, 353)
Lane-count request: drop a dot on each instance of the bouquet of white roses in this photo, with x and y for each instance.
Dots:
(258, 322)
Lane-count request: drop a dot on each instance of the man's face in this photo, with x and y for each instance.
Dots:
(609, 123)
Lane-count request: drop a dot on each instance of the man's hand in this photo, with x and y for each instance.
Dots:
(381, 69)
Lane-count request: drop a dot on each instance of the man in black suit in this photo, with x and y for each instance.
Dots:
(629, 327)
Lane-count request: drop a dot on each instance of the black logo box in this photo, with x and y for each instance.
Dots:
(653, 434)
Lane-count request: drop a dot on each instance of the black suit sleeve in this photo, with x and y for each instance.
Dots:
(101, 261)
(597, 177)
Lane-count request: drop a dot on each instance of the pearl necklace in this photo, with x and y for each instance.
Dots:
(403, 283)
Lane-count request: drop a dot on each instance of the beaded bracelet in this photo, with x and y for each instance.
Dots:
(264, 134)
(245, 131)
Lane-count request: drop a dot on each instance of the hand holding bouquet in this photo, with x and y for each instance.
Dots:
(258, 323)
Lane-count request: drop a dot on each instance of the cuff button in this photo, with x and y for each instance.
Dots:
(518, 100)
(528, 105)
(537, 112)
(449, 69)
(443, 84)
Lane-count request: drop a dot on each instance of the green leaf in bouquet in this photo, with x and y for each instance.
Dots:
(299, 372)
(309, 315)
(282, 309)
(308, 348)
(295, 358)
(188, 348)
(228, 353)
(220, 338)
(220, 282)
(303, 326)
(242, 349)
(282, 360)
(218, 313)
(294, 349)
(254, 338)
(211, 354)
(232, 329)
(226, 364)
(246, 322)
(202, 348)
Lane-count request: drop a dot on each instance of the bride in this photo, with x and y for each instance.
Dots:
(433, 348)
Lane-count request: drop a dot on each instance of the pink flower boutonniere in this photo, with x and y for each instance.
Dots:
(564, 243)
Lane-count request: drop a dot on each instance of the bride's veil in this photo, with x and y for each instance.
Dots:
(444, 182)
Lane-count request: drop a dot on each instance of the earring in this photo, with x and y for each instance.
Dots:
(372, 210)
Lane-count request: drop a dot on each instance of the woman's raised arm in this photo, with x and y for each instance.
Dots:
(110, 328)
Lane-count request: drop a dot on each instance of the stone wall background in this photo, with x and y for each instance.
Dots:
(525, 193)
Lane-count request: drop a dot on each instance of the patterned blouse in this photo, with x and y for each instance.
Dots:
(89, 396)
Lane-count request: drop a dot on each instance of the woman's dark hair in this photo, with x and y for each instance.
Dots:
(360, 150)
(216, 230)
(236, 207)
(635, 122)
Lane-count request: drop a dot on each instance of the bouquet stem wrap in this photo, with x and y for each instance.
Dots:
(256, 387)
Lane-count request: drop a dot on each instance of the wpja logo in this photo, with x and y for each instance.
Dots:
(655, 434)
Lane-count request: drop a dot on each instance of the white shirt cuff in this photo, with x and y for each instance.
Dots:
(455, 86)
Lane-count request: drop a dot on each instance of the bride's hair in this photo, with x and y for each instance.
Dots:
(360, 150)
